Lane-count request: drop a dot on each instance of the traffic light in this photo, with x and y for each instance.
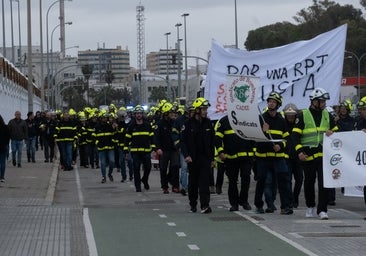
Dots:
(174, 59)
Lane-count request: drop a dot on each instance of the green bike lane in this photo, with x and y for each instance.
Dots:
(169, 229)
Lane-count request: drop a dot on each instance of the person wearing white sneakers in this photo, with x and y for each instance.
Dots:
(308, 137)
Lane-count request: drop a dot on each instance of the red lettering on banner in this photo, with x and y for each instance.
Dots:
(221, 100)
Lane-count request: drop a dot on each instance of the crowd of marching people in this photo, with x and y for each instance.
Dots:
(190, 148)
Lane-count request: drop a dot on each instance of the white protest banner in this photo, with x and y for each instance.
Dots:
(293, 70)
(354, 191)
(344, 161)
(242, 106)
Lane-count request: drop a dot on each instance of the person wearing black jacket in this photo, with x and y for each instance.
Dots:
(47, 130)
(237, 155)
(104, 139)
(4, 147)
(139, 141)
(18, 132)
(32, 136)
(308, 133)
(65, 135)
(168, 153)
(198, 149)
(271, 159)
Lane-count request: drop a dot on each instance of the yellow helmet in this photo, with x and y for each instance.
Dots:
(362, 103)
(275, 96)
(348, 104)
(167, 107)
(200, 102)
(72, 112)
(161, 103)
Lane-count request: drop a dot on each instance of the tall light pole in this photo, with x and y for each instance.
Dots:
(167, 64)
(48, 54)
(30, 76)
(20, 36)
(41, 52)
(359, 59)
(180, 91)
(184, 15)
(3, 21)
(236, 26)
(12, 33)
(51, 50)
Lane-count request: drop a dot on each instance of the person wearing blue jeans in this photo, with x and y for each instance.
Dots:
(66, 150)
(18, 132)
(32, 136)
(183, 176)
(106, 156)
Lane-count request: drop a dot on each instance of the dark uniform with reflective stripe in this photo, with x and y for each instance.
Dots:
(238, 160)
(198, 143)
(139, 140)
(271, 165)
(104, 139)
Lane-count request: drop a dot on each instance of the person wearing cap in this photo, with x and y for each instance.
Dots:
(139, 141)
(198, 149)
(271, 159)
(290, 112)
(308, 132)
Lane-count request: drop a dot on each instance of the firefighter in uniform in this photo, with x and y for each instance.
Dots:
(308, 137)
(271, 159)
(104, 139)
(120, 136)
(139, 140)
(198, 149)
(66, 135)
(168, 153)
(237, 155)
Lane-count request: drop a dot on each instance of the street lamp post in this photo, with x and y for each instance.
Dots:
(184, 15)
(12, 33)
(48, 53)
(359, 59)
(178, 61)
(51, 50)
(236, 26)
(167, 64)
(3, 20)
(20, 37)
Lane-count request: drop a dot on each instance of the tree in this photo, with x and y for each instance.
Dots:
(87, 71)
(157, 93)
(320, 17)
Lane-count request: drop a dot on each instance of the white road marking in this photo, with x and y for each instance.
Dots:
(180, 234)
(162, 216)
(171, 224)
(193, 247)
(283, 238)
(78, 185)
(89, 233)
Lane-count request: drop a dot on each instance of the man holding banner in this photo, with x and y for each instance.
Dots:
(270, 159)
(308, 135)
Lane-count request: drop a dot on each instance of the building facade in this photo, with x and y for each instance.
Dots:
(107, 61)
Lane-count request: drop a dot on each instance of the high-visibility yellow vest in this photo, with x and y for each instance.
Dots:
(312, 135)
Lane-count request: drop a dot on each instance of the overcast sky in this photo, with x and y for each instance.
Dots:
(113, 22)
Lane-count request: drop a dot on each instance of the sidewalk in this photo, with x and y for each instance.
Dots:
(30, 225)
(33, 223)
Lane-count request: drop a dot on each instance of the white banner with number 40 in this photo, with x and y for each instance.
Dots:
(344, 160)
